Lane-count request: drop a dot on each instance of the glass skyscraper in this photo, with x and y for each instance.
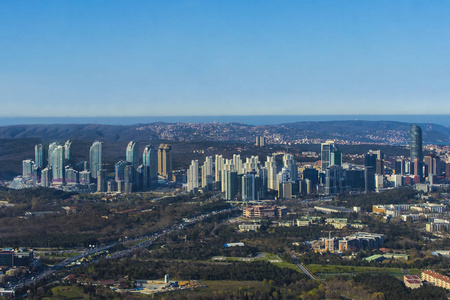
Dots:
(96, 158)
(416, 149)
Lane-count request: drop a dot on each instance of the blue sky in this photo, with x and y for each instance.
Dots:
(165, 58)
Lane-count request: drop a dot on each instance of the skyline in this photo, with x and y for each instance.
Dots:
(198, 58)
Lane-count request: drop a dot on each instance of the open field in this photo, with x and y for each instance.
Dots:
(67, 292)
(333, 270)
(272, 258)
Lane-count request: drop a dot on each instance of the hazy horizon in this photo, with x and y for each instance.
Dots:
(441, 119)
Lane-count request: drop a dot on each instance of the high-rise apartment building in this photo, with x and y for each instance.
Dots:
(58, 165)
(416, 149)
(192, 176)
(27, 168)
(165, 160)
(68, 155)
(51, 147)
(271, 167)
(207, 172)
(132, 153)
(39, 159)
(218, 167)
(96, 158)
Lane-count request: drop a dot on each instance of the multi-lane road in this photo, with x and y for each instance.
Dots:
(146, 241)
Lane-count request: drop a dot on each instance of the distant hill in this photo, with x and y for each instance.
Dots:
(17, 142)
(389, 132)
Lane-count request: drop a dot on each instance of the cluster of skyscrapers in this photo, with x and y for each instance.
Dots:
(240, 179)
(56, 169)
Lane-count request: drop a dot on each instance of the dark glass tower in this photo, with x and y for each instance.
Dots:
(416, 149)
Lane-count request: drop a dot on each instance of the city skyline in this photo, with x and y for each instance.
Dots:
(198, 58)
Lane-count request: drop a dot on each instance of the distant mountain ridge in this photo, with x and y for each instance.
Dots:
(389, 132)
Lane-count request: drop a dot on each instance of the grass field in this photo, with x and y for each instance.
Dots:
(223, 287)
(67, 292)
(273, 258)
(332, 270)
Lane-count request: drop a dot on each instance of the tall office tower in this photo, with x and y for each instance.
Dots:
(101, 181)
(165, 161)
(96, 158)
(39, 156)
(192, 176)
(335, 180)
(261, 183)
(237, 162)
(218, 166)
(85, 177)
(271, 167)
(432, 163)
(416, 149)
(58, 164)
(399, 167)
(68, 155)
(248, 187)
(375, 160)
(150, 162)
(311, 174)
(71, 176)
(207, 172)
(447, 170)
(290, 163)
(230, 184)
(27, 168)
(132, 154)
(326, 149)
(51, 147)
(336, 157)
(46, 177)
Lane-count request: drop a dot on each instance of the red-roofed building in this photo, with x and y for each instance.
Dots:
(436, 279)
(412, 281)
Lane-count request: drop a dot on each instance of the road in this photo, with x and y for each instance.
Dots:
(147, 240)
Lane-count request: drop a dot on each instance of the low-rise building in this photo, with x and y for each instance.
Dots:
(412, 281)
(249, 227)
(436, 279)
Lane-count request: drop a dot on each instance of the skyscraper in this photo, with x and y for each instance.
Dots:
(150, 162)
(416, 149)
(96, 158)
(165, 160)
(58, 170)
(218, 166)
(132, 154)
(27, 168)
(248, 187)
(68, 150)
(207, 172)
(271, 167)
(325, 156)
(39, 156)
(192, 176)
(51, 147)
(289, 162)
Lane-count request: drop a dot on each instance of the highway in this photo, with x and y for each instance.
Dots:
(147, 240)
